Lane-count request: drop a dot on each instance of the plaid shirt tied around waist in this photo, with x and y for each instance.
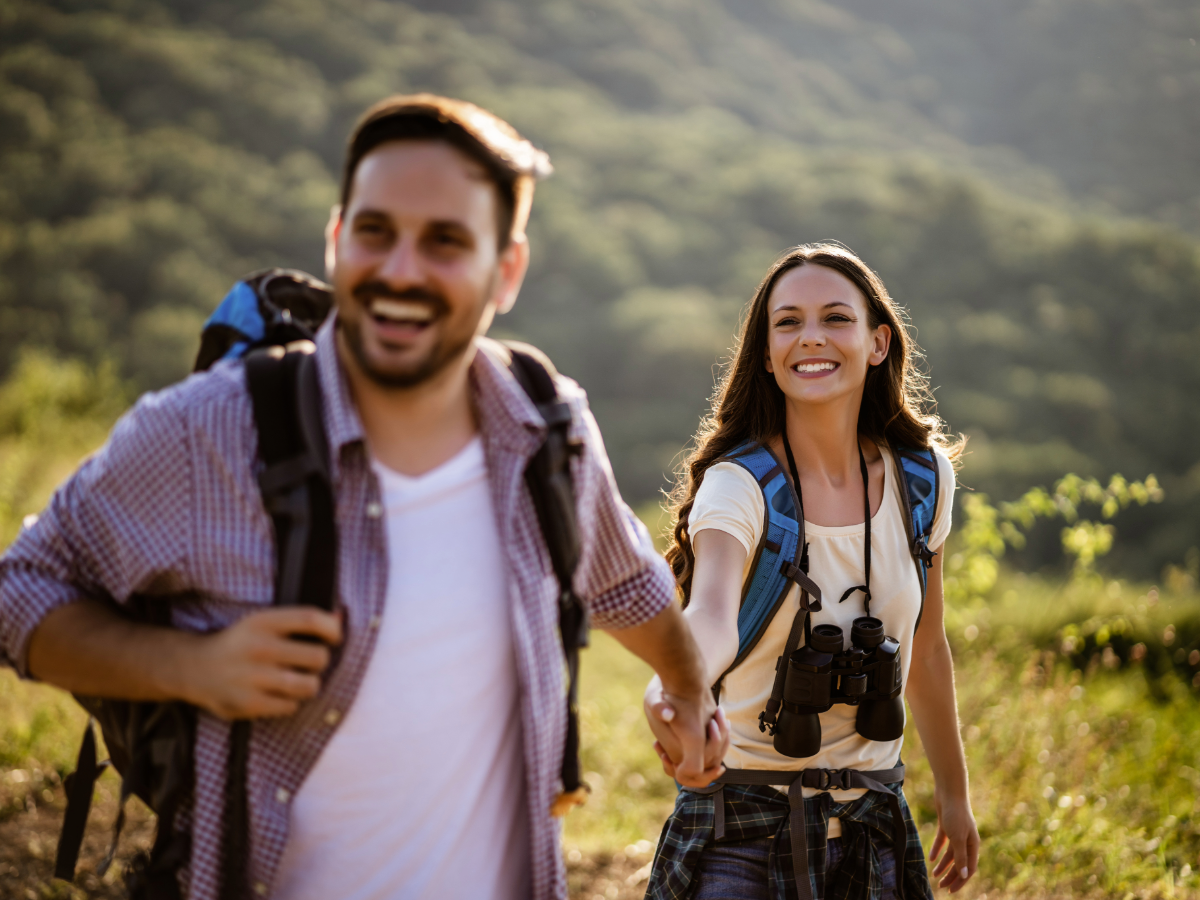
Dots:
(749, 812)
(170, 510)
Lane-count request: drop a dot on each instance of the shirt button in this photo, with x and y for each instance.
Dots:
(375, 622)
(260, 889)
(332, 717)
(374, 510)
(283, 795)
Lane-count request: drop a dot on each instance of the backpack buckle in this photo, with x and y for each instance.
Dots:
(921, 551)
(834, 779)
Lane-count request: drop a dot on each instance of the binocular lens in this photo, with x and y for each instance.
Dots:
(866, 632)
(827, 639)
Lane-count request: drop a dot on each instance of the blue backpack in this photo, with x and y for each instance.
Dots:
(782, 555)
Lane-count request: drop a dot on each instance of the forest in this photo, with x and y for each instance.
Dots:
(1023, 176)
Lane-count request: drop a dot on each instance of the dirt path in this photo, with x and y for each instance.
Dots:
(31, 808)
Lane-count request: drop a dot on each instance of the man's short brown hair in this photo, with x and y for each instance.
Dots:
(512, 163)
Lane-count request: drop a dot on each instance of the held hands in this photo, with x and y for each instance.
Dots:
(958, 836)
(692, 735)
(256, 668)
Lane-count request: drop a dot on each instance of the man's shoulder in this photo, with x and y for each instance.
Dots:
(214, 403)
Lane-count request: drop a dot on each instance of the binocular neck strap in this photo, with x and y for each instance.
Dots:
(862, 466)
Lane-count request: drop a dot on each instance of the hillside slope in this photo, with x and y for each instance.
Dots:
(150, 153)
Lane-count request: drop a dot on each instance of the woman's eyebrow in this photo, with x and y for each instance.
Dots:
(837, 303)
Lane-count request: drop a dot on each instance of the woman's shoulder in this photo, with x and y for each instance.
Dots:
(730, 500)
(728, 481)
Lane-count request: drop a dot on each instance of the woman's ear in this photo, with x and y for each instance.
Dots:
(881, 341)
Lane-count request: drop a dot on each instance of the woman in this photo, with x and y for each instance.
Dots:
(823, 397)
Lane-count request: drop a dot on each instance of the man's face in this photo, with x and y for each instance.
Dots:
(414, 262)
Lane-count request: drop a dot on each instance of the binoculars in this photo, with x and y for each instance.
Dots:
(822, 673)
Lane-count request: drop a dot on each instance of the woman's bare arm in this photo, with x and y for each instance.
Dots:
(930, 694)
(712, 619)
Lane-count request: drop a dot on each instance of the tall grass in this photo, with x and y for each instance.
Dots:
(1083, 777)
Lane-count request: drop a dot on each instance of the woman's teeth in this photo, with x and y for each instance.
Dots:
(815, 367)
(401, 311)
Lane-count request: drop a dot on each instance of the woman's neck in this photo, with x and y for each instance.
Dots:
(824, 440)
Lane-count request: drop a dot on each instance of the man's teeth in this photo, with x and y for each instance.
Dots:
(816, 367)
(401, 311)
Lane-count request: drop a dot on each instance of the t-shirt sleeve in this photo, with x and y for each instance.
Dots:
(945, 508)
(729, 500)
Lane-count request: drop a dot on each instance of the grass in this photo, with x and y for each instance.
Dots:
(1084, 769)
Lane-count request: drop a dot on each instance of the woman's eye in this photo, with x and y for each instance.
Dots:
(838, 317)
(787, 323)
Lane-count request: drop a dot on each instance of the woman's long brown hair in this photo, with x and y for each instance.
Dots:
(748, 404)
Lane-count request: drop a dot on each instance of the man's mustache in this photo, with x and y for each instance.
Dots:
(370, 290)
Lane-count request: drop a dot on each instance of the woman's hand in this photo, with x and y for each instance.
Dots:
(661, 712)
(958, 836)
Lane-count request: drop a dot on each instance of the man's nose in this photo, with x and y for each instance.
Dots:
(403, 264)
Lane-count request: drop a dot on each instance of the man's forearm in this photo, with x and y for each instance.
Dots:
(667, 645)
(88, 649)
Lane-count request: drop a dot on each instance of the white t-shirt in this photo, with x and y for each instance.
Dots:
(730, 500)
(421, 790)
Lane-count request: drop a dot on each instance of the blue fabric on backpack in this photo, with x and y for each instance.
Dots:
(241, 312)
(781, 541)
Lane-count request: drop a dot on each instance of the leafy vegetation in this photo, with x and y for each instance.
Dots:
(151, 153)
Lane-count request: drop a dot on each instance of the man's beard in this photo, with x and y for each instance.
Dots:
(439, 356)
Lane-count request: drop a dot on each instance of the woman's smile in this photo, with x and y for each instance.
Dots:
(815, 368)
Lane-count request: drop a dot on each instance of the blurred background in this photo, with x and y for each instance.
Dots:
(1023, 174)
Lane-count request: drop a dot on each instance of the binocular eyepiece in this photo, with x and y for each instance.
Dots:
(821, 673)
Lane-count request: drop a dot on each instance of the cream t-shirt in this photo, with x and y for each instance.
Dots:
(730, 500)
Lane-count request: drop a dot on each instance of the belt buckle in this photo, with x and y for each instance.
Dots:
(834, 778)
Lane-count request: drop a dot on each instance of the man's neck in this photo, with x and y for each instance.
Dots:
(414, 430)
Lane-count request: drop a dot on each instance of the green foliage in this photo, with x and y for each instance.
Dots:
(973, 567)
(52, 413)
(151, 153)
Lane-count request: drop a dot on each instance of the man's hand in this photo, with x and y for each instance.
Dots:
(667, 644)
(958, 836)
(253, 669)
(256, 668)
(692, 735)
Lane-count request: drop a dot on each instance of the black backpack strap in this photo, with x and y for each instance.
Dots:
(548, 477)
(297, 493)
(79, 785)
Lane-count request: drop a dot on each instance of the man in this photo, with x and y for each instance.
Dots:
(414, 749)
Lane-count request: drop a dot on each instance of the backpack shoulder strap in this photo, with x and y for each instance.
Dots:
(298, 494)
(781, 557)
(295, 477)
(548, 477)
(920, 492)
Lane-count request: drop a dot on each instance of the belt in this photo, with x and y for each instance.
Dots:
(821, 780)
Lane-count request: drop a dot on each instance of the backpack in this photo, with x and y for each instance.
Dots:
(781, 558)
(269, 318)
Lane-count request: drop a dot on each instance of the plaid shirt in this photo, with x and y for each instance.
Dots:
(170, 507)
(756, 812)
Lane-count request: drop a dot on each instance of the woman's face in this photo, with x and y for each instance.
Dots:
(820, 343)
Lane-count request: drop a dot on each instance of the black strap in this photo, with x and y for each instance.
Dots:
(298, 494)
(821, 780)
(865, 588)
(80, 786)
(548, 477)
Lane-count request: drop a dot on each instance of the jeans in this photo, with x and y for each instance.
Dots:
(738, 870)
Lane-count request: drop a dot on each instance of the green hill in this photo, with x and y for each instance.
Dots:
(152, 152)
